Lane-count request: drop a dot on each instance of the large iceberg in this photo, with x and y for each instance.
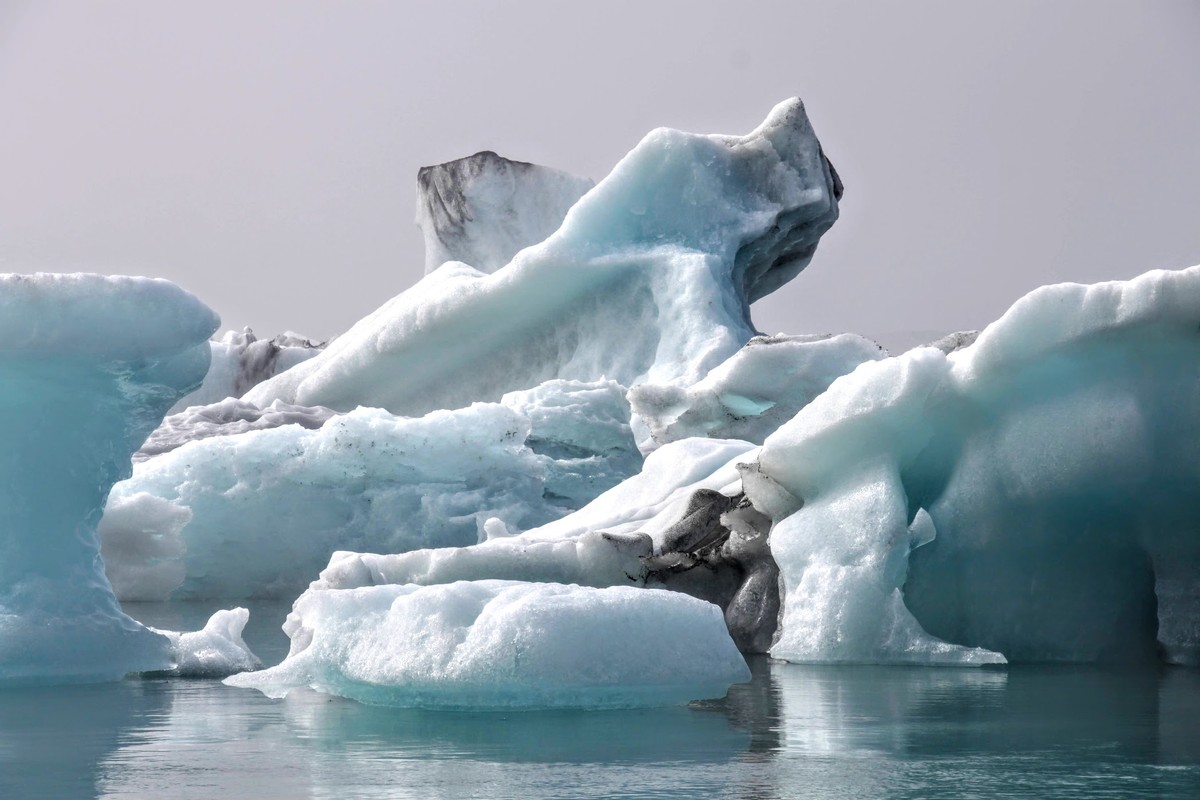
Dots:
(1027, 495)
(504, 644)
(88, 366)
(649, 278)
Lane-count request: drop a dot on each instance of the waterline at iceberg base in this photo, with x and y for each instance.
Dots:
(576, 476)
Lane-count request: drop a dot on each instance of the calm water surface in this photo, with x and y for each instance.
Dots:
(795, 731)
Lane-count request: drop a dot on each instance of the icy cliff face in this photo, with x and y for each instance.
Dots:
(649, 278)
(242, 360)
(88, 366)
(1042, 472)
(503, 644)
(256, 513)
(483, 209)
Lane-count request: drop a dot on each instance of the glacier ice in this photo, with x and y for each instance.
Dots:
(88, 366)
(755, 391)
(649, 278)
(256, 513)
(1026, 495)
(505, 644)
(483, 209)
(242, 360)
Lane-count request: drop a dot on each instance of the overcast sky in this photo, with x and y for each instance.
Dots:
(263, 154)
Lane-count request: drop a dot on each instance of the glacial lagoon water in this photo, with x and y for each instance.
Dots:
(795, 731)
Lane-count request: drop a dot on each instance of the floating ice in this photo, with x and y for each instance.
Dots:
(504, 644)
(649, 278)
(483, 209)
(227, 417)
(88, 366)
(759, 388)
(215, 651)
(256, 514)
(1045, 472)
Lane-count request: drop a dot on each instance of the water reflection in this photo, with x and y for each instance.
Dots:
(795, 730)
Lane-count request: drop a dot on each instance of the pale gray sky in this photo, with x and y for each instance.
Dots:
(263, 154)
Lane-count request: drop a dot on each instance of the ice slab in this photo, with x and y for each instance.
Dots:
(505, 644)
(1028, 494)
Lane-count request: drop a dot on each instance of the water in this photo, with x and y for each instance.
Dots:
(795, 731)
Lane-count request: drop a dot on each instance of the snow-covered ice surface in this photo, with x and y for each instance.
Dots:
(505, 644)
(88, 366)
(1031, 494)
(483, 209)
(256, 514)
(649, 278)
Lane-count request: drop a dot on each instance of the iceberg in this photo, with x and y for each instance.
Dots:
(88, 366)
(505, 644)
(1024, 497)
(483, 209)
(256, 512)
(648, 279)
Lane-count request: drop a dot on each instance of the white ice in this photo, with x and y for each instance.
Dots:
(505, 644)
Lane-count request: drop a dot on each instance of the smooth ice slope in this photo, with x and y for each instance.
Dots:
(502, 644)
(758, 389)
(650, 278)
(88, 366)
(1046, 473)
(483, 209)
(256, 514)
